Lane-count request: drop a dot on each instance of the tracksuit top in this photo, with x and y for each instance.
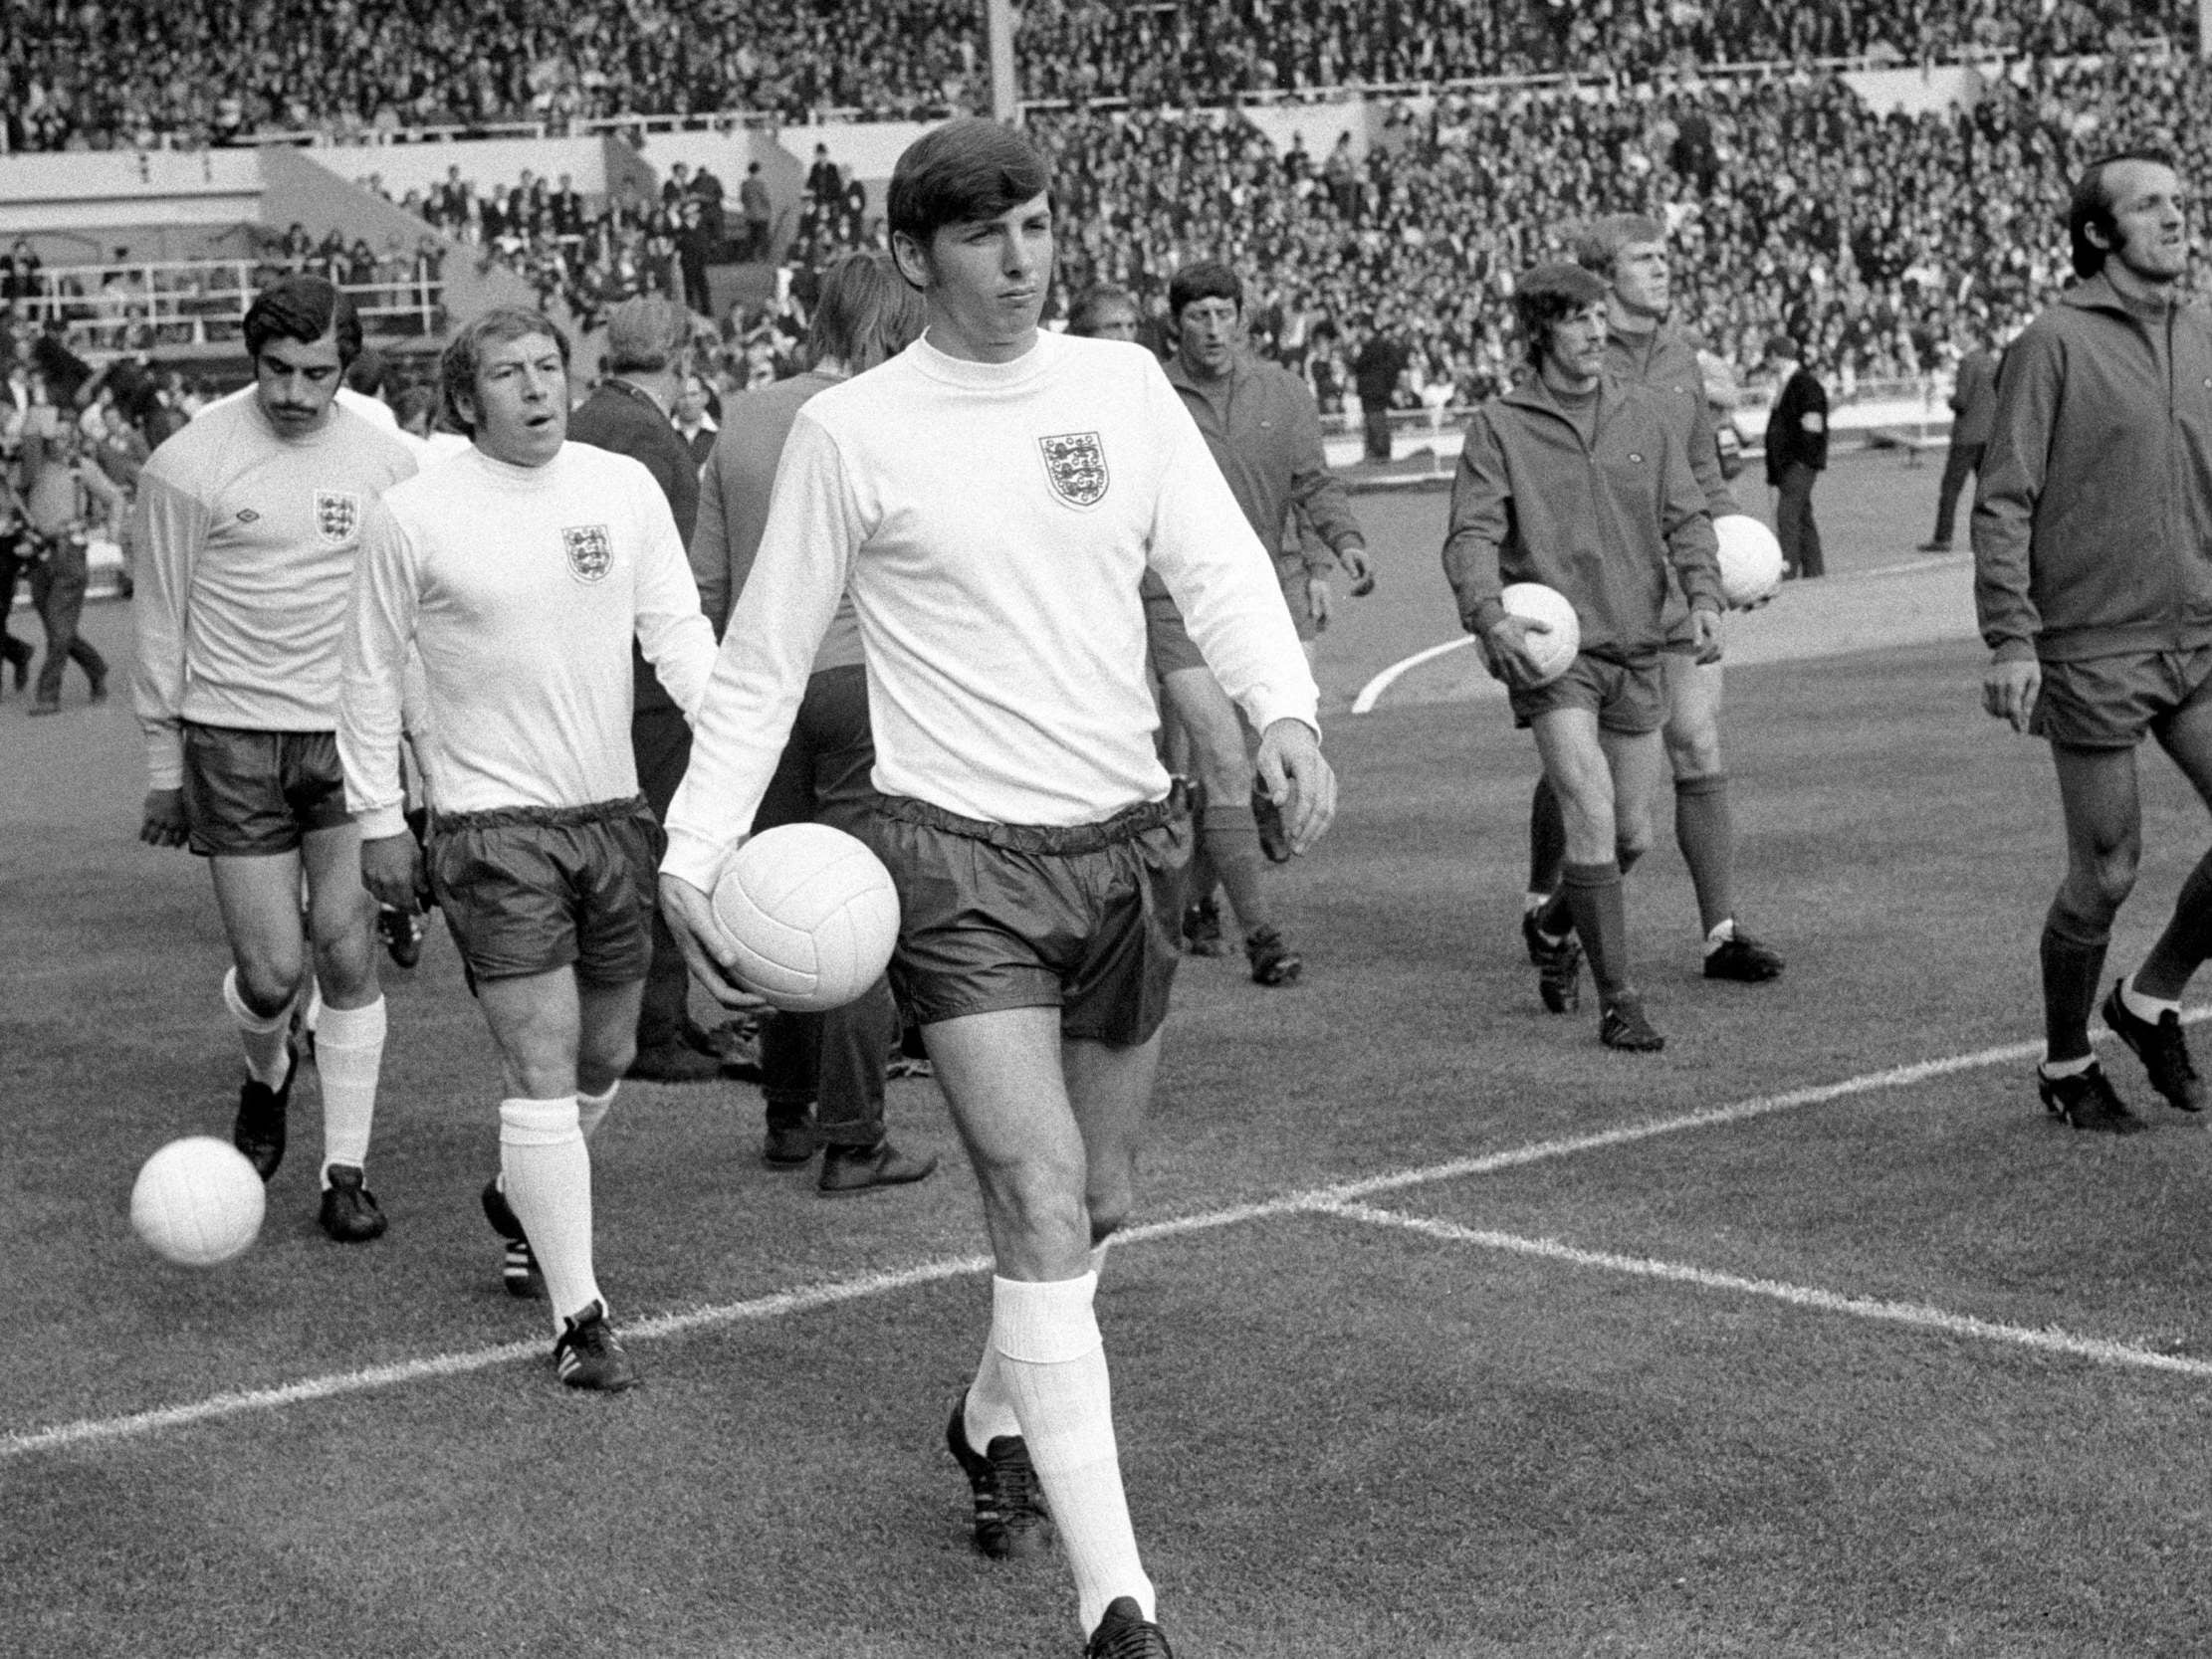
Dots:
(247, 541)
(520, 589)
(2093, 520)
(1618, 526)
(1665, 361)
(993, 521)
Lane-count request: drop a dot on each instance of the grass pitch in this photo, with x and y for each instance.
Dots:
(1448, 1332)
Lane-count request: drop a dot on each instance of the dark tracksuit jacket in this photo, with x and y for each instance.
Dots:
(2092, 522)
(1666, 362)
(1265, 434)
(1619, 525)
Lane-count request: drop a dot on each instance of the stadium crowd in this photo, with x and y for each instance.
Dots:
(132, 73)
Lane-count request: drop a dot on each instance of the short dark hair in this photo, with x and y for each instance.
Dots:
(967, 169)
(464, 355)
(1596, 246)
(2091, 207)
(1082, 317)
(864, 314)
(1210, 279)
(303, 307)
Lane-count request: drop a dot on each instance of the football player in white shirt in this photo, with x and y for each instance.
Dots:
(518, 573)
(994, 495)
(247, 527)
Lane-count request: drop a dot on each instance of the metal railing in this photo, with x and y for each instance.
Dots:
(204, 301)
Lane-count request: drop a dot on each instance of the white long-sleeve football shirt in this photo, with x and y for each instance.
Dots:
(992, 522)
(246, 540)
(519, 588)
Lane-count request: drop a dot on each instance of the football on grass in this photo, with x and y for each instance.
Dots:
(197, 1201)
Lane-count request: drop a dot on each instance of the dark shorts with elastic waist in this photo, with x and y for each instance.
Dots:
(1084, 918)
(2114, 702)
(1629, 698)
(530, 889)
(252, 794)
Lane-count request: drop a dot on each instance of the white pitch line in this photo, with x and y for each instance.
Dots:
(805, 1298)
(2049, 1339)
(1372, 692)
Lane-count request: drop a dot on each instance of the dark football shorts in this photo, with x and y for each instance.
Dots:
(530, 889)
(251, 794)
(1629, 699)
(2113, 702)
(1171, 645)
(1085, 919)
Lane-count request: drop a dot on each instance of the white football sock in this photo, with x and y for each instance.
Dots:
(1054, 1368)
(591, 1110)
(268, 1042)
(1721, 933)
(548, 1186)
(2145, 1008)
(349, 1054)
(989, 1411)
(311, 1020)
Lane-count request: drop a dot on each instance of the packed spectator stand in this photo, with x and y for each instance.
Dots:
(1883, 241)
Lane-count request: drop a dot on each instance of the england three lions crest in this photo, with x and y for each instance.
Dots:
(590, 551)
(1075, 466)
(338, 516)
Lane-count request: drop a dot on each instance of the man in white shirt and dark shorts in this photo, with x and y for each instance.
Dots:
(993, 496)
(518, 575)
(249, 524)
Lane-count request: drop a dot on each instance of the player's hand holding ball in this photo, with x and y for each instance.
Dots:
(1535, 641)
(804, 916)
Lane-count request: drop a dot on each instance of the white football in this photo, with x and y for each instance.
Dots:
(1750, 559)
(197, 1201)
(812, 912)
(1554, 650)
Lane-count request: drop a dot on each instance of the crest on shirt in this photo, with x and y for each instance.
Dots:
(337, 515)
(1076, 467)
(591, 551)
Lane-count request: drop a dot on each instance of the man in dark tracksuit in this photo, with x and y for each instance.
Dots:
(1643, 348)
(1583, 483)
(629, 414)
(1797, 453)
(1973, 407)
(2093, 578)
(1262, 427)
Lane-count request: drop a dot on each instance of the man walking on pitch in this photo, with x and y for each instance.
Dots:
(519, 573)
(822, 1074)
(1797, 454)
(1973, 406)
(1582, 483)
(1629, 252)
(2093, 577)
(249, 524)
(992, 497)
(1264, 433)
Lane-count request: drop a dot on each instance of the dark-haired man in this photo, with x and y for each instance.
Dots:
(822, 1074)
(992, 497)
(1260, 424)
(1629, 252)
(1583, 483)
(247, 528)
(519, 573)
(1797, 455)
(2091, 576)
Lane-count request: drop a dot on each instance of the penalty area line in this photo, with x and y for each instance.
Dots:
(1920, 1316)
(807, 1298)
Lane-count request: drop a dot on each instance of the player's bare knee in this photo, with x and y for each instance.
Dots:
(269, 980)
(346, 967)
(605, 1059)
(1693, 748)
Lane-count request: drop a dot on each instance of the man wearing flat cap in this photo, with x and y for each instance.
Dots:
(646, 342)
(1583, 483)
